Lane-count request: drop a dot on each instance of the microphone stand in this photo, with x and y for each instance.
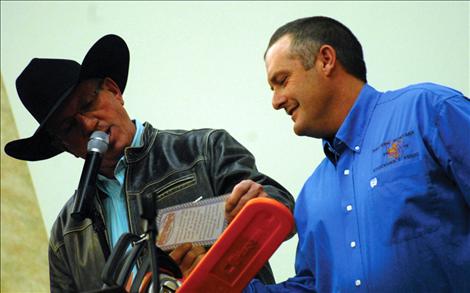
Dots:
(148, 211)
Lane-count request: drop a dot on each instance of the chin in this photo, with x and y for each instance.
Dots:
(302, 131)
(299, 130)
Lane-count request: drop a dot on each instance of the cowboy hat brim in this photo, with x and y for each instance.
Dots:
(108, 57)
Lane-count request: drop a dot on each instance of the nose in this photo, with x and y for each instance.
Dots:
(86, 124)
(278, 100)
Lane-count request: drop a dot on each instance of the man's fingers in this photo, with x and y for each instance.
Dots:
(196, 261)
(179, 252)
(191, 259)
(240, 205)
(237, 192)
(254, 190)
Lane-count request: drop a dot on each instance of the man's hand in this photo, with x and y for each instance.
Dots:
(187, 257)
(241, 194)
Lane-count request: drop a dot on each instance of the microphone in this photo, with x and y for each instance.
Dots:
(97, 146)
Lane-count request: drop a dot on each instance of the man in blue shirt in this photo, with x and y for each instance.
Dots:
(388, 209)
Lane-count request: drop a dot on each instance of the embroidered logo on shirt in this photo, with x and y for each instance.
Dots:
(395, 150)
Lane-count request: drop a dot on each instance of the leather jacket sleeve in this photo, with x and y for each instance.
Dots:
(231, 163)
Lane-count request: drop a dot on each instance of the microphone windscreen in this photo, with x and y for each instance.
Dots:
(98, 142)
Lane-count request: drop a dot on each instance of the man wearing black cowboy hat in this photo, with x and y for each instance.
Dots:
(70, 101)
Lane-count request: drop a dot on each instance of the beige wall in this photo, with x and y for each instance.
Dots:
(23, 233)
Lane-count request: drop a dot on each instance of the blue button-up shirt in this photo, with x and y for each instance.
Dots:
(388, 210)
(115, 207)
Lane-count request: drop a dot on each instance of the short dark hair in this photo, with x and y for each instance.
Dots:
(310, 33)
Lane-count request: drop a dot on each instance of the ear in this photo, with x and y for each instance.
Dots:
(111, 86)
(326, 59)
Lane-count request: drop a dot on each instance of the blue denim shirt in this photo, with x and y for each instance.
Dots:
(388, 210)
(115, 203)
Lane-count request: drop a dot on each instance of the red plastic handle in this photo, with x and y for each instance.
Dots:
(242, 249)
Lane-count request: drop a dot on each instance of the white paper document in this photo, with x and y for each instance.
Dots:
(200, 223)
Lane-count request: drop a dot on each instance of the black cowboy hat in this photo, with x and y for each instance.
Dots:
(46, 83)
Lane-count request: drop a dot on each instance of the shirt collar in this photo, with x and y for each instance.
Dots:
(139, 130)
(121, 164)
(352, 130)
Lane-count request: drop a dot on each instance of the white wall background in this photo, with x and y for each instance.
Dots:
(199, 64)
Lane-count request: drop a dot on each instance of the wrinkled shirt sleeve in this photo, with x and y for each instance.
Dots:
(450, 141)
(302, 282)
(298, 283)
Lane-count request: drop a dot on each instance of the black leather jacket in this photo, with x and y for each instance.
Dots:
(176, 166)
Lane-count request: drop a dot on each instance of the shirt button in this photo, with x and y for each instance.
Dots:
(357, 283)
(353, 244)
(357, 148)
(349, 207)
(373, 182)
(346, 172)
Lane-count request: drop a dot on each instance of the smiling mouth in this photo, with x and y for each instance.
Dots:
(291, 112)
